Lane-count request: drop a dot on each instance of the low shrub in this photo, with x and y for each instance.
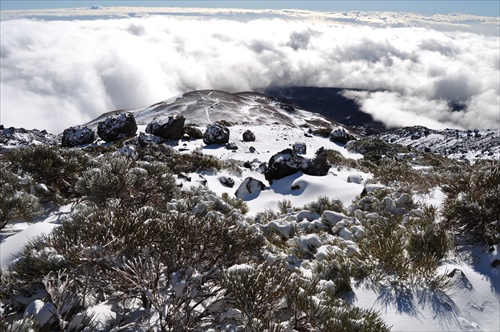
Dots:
(472, 205)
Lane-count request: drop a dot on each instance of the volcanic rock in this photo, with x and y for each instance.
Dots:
(117, 127)
(216, 134)
(248, 187)
(248, 136)
(78, 135)
(170, 128)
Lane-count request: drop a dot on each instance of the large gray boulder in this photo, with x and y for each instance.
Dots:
(76, 136)
(117, 127)
(216, 133)
(169, 128)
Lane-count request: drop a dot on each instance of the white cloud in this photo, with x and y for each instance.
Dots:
(55, 74)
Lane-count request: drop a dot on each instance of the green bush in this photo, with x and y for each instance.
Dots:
(134, 183)
(16, 201)
(57, 168)
(472, 205)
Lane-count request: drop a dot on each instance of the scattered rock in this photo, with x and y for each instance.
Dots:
(262, 168)
(231, 146)
(78, 135)
(247, 164)
(299, 148)
(249, 187)
(341, 136)
(496, 263)
(146, 139)
(170, 128)
(248, 136)
(216, 133)
(226, 181)
(184, 176)
(251, 149)
(117, 127)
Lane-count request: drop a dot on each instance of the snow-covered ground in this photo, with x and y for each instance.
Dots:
(471, 303)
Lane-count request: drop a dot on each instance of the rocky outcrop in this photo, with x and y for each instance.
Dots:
(117, 127)
(283, 164)
(287, 162)
(18, 137)
(226, 181)
(248, 136)
(169, 128)
(76, 136)
(145, 139)
(249, 187)
(216, 133)
(341, 136)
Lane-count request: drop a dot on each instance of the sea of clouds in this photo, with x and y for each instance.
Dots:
(59, 73)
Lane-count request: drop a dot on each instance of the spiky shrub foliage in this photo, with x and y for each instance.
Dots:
(402, 244)
(134, 183)
(58, 168)
(16, 201)
(472, 205)
(270, 298)
(194, 161)
(324, 203)
(125, 251)
(373, 150)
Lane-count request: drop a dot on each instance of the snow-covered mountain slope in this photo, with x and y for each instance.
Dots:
(207, 106)
(311, 243)
(453, 143)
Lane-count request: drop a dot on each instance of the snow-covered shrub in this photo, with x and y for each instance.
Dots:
(135, 183)
(55, 167)
(401, 243)
(194, 161)
(16, 201)
(256, 291)
(373, 150)
(325, 203)
(472, 206)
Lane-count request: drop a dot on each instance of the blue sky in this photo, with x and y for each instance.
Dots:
(425, 7)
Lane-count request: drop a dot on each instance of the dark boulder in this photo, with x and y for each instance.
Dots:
(216, 133)
(248, 136)
(283, 164)
(226, 181)
(231, 146)
(249, 188)
(78, 135)
(287, 162)
(341, 136)
(146, 139)
(117, 127)
(169, 128)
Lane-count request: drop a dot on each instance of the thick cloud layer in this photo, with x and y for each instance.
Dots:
(55, 74)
